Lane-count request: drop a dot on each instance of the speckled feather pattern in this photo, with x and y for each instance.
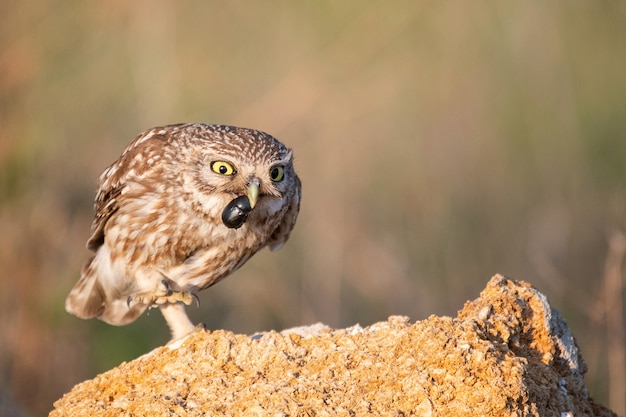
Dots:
(158, 215)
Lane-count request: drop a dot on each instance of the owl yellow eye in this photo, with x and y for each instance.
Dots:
(277, 173)
(223, 168)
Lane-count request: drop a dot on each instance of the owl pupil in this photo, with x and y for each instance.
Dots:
(223, 169)
(275, 173)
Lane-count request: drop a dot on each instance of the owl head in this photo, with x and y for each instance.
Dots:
(249, 170)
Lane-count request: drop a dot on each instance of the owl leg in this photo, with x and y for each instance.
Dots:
(177, 319)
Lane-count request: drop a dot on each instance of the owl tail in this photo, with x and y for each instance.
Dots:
(88, 299)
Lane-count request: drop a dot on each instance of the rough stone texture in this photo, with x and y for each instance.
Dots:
(507, 353)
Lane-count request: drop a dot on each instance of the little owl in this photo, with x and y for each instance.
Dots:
(182, 208)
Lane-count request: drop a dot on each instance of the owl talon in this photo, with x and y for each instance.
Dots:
(196, 299)
(165, 290)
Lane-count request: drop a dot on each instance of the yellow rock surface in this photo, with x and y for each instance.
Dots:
(506, 353)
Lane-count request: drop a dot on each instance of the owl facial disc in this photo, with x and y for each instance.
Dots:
(236, 212)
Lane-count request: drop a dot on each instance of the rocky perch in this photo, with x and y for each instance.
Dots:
(506, 353)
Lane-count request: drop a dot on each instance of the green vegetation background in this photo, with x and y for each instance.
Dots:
(438, 144)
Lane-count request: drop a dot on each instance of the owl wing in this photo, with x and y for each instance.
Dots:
(282, 232)
(113, 180)
(105, 205)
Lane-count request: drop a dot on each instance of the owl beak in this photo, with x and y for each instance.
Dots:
(253, 191)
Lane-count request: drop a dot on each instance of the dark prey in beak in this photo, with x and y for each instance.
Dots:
(236, 212)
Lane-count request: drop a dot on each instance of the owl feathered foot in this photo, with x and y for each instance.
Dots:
(163, 295)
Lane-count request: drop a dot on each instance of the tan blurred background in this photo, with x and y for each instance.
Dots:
(438, 143)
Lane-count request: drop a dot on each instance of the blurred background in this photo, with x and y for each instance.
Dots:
(438, 143)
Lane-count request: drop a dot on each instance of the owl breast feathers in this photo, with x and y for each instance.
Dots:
(183, 207)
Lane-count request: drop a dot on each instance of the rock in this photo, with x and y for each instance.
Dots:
(506, 353)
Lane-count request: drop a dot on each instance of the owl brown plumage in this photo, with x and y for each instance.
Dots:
(182, 208)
